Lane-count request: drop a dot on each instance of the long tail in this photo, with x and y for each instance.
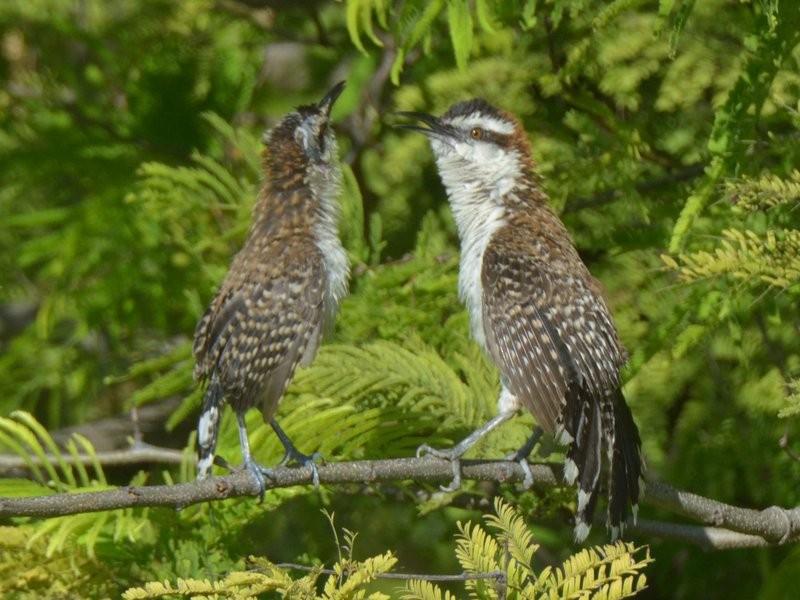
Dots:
(584, 457)
(591, 426)
(208, 428)
(626, 477)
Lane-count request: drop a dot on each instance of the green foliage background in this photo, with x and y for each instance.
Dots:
(666, 135)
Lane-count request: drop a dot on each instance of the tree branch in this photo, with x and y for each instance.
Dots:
(725, 526)
(427, 470)
(775, 525)
(13, 464)
(710, 538)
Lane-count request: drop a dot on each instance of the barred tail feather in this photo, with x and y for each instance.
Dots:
(574, 432)
(591, 426)
(588, 459)
(208, 428)
(625, 480)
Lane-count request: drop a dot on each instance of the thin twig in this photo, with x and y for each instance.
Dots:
(403, 576)
(135, 455)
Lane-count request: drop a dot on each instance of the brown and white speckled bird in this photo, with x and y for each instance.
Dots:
(535, 308)
(282, 288)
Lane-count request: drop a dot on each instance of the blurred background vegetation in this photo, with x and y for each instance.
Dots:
(666, 135)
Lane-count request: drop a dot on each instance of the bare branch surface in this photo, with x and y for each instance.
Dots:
(776, 525)
(723, 526)
(138, 454)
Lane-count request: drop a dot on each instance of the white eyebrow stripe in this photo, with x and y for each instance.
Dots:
(486, 122)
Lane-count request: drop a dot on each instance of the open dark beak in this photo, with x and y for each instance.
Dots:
(435, 128)
(325, 105)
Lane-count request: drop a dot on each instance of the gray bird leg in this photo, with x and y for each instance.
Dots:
(256, 470)
(293, 454)
(521, 456)
(455, 453)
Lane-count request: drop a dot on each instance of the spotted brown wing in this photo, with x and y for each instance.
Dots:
(259, 325)
(546, 327)
(551, 336)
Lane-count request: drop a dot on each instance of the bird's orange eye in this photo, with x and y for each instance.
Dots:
(476, 133)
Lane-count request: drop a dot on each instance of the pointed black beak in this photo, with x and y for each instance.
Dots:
(325, 105)
(435, 127)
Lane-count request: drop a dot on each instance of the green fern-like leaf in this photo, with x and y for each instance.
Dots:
(402, 393)
(24, 436)
(600, 569)
(236, 585)
(350, 581)
(64, 472)
(460, 22)
(772, 258)
(424, 590)
(513, 535)
(27, 572)
(734, 122)
(359, 19)
(765, 192)
(611, 571)
(351, 577)
(477, 552)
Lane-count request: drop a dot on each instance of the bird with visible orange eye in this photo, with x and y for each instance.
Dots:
(535, 309)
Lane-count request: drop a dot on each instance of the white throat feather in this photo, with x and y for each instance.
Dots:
(477, 176)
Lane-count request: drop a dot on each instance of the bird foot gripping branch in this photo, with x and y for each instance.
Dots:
(293, 455)
(534, 307)
(455, 453)
(281, 289)
(521, 457)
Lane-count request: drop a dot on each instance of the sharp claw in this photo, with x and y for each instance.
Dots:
(527, 483)
(521, 457)
(455, 453)
(221, 462)
(305, 461)
(455, 459)
(258, 472)
(447, 454)
(308, 461)
(293, 454)
(456, 483)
